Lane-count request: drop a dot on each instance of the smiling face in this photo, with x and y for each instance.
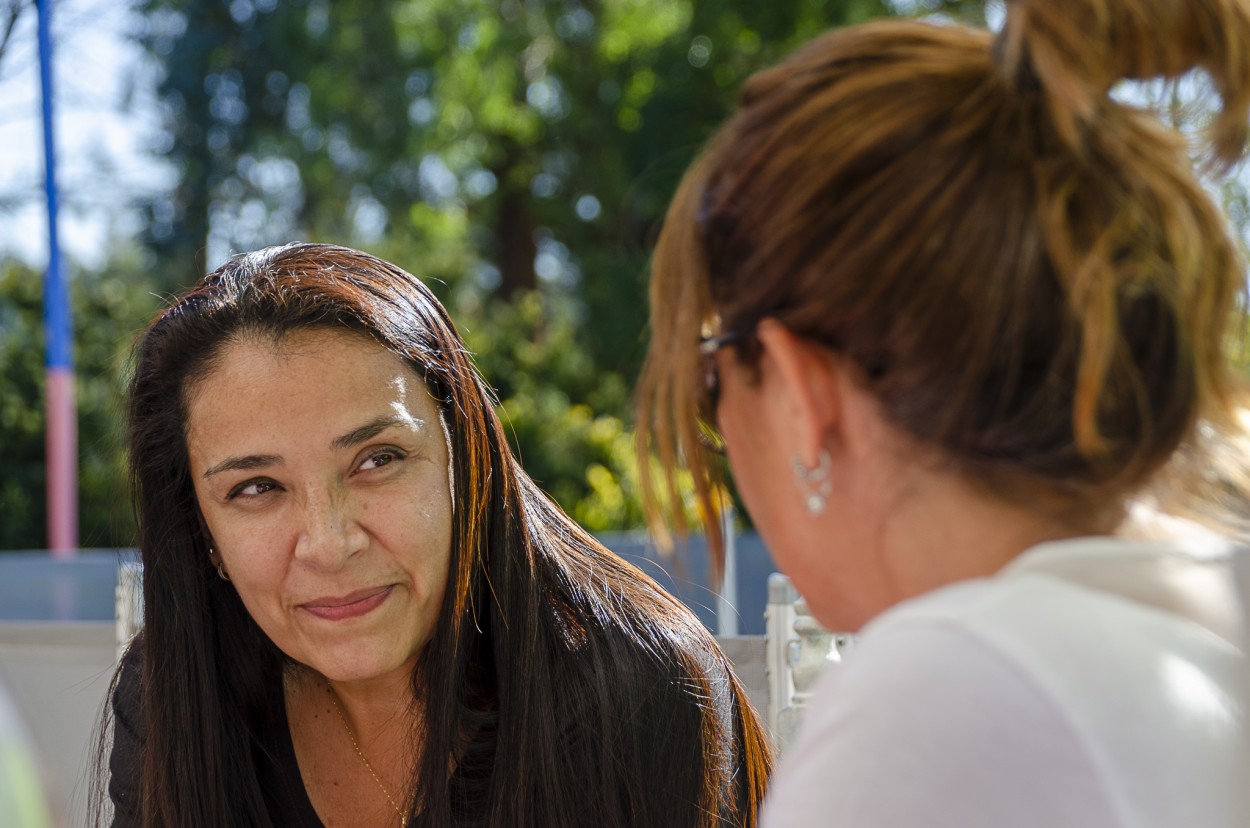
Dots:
(321, 468)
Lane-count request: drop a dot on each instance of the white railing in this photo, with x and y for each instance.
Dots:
(799, 650)
(129, 603)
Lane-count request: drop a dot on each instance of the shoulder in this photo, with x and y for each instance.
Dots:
(127, 698)
(129, 736)
(1021, 700)
(641, 686)
(612, 617)
(643, 644)
(917, 727)
(1066, 612)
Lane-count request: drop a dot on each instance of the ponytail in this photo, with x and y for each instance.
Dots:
(1078, 50)
(1029, 271)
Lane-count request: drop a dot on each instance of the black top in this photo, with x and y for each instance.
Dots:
(277, 768)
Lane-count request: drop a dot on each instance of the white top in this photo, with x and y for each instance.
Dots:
(1095, 683)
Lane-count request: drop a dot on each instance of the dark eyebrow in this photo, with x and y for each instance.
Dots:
(367, 431)
(251, 461)
(354, 437)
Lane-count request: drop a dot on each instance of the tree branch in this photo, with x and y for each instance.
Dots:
(8, 22)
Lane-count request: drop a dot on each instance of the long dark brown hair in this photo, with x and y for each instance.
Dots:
(1026, 270)
(568, 687)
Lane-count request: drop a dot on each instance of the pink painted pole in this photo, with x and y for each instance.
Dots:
(61, 414)
(62, 463)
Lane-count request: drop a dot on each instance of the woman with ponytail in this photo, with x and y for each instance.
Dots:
(964, 324)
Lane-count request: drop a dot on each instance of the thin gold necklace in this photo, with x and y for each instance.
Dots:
(403, 818)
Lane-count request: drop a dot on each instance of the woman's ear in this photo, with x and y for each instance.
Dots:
(809, 393)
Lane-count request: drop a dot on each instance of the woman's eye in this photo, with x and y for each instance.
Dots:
(252, 488)
(381, 458)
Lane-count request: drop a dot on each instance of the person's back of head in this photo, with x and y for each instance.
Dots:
(1026, 272)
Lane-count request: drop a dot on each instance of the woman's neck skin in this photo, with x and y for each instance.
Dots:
(897, 521)
(373, 707)
(334, 724)
(940, 529)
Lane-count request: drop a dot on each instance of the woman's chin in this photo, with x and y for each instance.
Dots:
(353, 665)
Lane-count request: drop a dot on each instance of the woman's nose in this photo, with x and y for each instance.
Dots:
(330, 534)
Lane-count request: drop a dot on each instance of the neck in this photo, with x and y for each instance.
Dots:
(357, 744)
(381, 712)
(915, 528)
(378, 711)
(949, 530)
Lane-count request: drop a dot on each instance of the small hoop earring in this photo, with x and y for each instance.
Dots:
(221, 565)
(815, 483)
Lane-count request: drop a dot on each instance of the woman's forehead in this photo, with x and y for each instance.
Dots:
(315, 380)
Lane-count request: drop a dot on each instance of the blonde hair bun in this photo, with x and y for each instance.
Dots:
(1077, 50)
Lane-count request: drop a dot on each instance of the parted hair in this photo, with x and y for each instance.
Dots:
(563, 685)
(1025, 269)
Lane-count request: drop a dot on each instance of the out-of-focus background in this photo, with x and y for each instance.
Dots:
(517, 154)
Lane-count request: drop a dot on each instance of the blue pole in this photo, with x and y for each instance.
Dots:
(60, 407)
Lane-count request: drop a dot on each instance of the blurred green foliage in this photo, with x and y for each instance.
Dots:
(107, 307)
(553, 407)
(517, 154)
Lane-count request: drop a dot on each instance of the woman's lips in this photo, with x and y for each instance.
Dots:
(353, 605)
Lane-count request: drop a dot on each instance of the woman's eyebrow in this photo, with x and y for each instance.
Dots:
(368, 431)
(354, 437)
(248, 463)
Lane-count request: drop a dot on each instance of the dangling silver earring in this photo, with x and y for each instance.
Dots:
(221, 565)
(815, 484)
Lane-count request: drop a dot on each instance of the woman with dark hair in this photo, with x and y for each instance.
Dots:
(957, 314)
(359, 610)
